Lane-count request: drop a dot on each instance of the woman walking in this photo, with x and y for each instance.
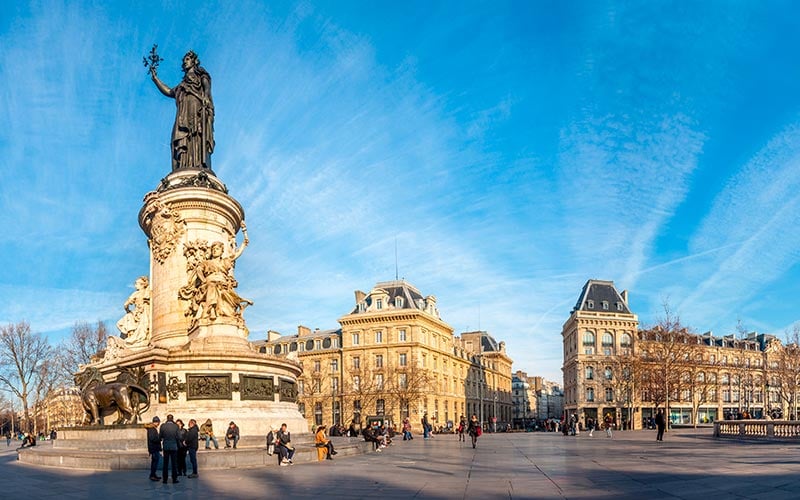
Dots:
(474, 429)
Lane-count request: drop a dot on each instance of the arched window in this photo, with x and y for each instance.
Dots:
(588, 338)
(277, 349)
(589, 373)
(608, 344)
(625, 340)
(293, 346)
(310, 347)
(608, 373)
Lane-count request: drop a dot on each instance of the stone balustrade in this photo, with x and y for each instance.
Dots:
(757, 429)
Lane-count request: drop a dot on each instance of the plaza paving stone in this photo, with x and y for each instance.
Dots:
(689, 464)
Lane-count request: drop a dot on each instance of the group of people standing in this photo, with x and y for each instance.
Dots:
(176, 442)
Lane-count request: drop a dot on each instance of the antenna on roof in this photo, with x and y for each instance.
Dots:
(396, 272)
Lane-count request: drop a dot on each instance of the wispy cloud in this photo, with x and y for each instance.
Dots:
(509, 164)
(752, 212)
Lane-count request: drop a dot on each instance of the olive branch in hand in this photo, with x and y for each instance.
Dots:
(152, 60)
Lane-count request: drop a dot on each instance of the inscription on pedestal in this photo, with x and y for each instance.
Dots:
(258, 388)
(288, 391)
(210, 386)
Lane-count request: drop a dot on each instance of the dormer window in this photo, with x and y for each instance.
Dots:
(362, 306)
(619, 306)
(398, 302)
(605, 305)
(590, 304)
(378, 303)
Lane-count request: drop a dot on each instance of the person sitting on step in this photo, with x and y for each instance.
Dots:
(232, 435)
(283, 443)
(323, 442)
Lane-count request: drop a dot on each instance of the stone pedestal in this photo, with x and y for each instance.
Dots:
(197, 362)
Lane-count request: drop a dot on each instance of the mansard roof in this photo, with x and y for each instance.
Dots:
(412, 298)
(596, 293)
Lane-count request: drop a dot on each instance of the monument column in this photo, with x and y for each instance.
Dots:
(191, 224)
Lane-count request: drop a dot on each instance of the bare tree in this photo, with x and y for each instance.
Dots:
(362, 388)
(408, 385)
(84, 342)
(787, 375)
(702, 383)
(23, 358)
(667, 351)
(627, 379)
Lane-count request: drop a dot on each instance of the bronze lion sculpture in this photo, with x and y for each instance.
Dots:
(101, 399)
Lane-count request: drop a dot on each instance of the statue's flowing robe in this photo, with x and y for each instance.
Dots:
(193, 133)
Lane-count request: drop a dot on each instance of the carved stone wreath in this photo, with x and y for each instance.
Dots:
(166, 227)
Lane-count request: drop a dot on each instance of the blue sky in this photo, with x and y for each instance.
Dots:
(513, 150)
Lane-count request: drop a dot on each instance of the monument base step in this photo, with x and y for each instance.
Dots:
(242, 457)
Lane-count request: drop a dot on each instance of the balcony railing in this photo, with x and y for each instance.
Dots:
(757, 429)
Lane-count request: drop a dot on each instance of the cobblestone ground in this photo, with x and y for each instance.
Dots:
(686, 465)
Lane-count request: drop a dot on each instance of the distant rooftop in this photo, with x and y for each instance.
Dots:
(602, 296)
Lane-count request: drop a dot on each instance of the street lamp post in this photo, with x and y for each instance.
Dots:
(494, 418)
(481, 390)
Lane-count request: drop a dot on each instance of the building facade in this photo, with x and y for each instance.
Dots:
(393, 357)
(613, 368)
(521, 397)
(600, 327)
(535, 400)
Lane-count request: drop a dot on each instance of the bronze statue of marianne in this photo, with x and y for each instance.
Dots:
(193, 133)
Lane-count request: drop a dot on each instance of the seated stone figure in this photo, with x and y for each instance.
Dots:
(135, 325)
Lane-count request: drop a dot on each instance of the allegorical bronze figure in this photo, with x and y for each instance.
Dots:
(193, 133)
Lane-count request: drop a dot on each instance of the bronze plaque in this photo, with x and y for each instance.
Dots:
(259, 388)
(210, 386)
(288, 391)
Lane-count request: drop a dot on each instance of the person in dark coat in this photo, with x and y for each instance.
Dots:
(182, 450)
(661, 424)
(283, 442)
(474, 429)
(192, 443)
(154, 448)
(169, 441)
(232, 435)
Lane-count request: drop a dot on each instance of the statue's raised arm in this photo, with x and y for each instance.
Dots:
(193, 132)
(237, 252)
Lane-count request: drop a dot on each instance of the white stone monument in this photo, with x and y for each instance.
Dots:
(184, 336)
